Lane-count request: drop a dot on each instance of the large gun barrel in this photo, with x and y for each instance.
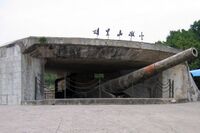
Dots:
(124, 82)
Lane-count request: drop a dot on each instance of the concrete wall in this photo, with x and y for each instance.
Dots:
(159, 86)
(10, 75)
(184, 86)
(18, 74)
(32, 78)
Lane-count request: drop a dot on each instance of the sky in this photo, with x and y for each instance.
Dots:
(78, 18)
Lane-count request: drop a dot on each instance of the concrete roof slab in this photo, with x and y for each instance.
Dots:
(106, 53)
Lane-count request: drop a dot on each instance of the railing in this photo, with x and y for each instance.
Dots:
(162, 88)
(83, 88)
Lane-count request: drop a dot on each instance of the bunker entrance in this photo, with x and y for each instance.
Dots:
(76, 78)
(88, 85)
(80, 85)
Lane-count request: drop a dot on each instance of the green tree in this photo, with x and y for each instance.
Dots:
(195, 28)
(184, 39)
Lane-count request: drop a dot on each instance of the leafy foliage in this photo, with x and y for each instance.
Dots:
(184, 39)
(42, 40)
(196, 29)
(49, 80)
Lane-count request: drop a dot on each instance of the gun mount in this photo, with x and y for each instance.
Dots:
(122, 83)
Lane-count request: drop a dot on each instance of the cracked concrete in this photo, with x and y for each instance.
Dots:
(164, 118)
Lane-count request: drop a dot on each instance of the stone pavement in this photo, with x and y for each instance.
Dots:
(159, 118)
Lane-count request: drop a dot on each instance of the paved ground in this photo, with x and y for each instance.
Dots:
(165, 118)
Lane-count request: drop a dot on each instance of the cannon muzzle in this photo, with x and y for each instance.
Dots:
(124, 82)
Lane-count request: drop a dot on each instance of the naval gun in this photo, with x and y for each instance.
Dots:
(122, 83)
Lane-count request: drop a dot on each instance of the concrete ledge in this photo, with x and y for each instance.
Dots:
(104, 101)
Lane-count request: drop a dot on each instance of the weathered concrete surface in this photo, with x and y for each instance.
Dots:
(10, 75)
(104, 101)
(94, 54)
(172, 118)
(184, 85)
(32, 78)
(17, 76)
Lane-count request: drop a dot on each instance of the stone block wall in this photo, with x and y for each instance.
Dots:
(10, 75)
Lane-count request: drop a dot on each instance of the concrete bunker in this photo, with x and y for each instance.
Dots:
(82, 65)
